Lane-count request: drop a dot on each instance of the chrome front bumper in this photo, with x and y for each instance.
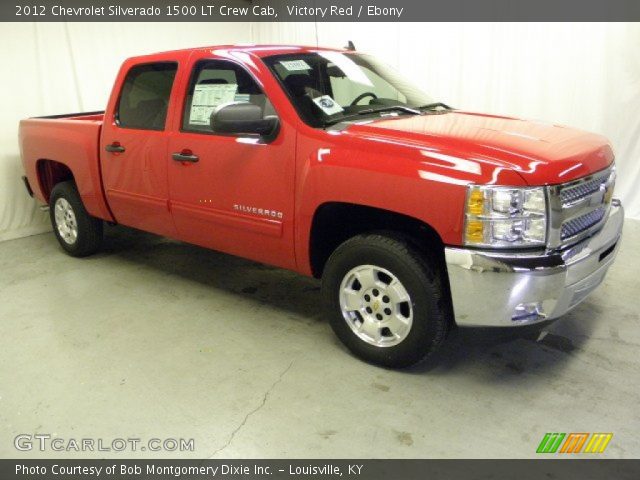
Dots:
(490, 288)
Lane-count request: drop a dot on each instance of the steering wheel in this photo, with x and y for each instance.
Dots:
(363, 95)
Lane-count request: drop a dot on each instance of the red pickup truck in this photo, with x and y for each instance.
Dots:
(417, 217)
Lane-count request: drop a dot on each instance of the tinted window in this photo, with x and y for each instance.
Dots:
(214, 83)
(145, 96)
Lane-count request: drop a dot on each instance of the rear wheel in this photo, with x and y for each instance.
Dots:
(78, 233)
(385, 300)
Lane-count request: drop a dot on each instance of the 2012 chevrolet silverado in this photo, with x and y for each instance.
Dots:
(417, 217)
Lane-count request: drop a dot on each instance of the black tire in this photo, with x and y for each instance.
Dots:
(431, 317)
(89, 229)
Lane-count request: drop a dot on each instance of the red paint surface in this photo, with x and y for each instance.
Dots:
(414, 165)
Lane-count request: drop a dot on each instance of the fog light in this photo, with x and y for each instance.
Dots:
(528, 312)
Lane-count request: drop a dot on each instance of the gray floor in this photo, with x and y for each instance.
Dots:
(156, 339)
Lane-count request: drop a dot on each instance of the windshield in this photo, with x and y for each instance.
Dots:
(327, 87)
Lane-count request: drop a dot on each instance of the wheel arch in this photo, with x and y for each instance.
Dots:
(335, 222)
(50, 173)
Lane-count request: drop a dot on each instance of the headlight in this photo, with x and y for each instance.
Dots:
(505, 217)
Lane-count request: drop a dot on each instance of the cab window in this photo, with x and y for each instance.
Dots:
(144, 99)
(214, 83)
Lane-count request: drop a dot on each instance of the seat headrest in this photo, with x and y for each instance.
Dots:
(297, 83)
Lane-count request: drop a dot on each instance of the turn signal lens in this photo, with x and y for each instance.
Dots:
(474, 232)
(475, 203)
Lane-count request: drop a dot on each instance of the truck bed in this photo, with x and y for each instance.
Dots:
(92, 116)
(55, 145)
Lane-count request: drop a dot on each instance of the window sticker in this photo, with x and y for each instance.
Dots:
(295, 65)
(328, 105)
(206, 97)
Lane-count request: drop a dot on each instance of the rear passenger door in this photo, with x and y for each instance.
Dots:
(134, 145)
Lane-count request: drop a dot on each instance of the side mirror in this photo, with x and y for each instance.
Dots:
(243, 118)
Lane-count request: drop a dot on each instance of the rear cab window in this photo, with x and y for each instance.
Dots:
(145, 95)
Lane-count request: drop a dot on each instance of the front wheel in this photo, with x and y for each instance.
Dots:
(78, 233)
(385, 300)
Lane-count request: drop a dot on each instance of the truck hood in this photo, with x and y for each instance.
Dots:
(542, 153)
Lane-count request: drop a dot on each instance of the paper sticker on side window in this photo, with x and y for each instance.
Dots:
(328, 105)
(206, 97)
(295, 65)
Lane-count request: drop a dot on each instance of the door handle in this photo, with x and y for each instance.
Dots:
(185, 156)
(114, 147)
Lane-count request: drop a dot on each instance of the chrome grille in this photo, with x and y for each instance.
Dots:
(579, 208)
(581, 223)
(575, 193)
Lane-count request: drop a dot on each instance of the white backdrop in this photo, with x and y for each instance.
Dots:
(584, 75)
(52, 68)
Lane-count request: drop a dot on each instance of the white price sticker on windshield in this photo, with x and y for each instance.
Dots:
(328, 105)
(295, 65)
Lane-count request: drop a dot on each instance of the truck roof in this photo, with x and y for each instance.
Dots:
(255, 49)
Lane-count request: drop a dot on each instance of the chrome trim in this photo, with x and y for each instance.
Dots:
(570, 195)
(577, 225)
(566, 206)
(488, 286)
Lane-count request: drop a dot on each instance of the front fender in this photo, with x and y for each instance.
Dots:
(400, 178)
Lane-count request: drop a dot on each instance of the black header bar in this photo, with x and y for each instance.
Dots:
(319, 10)
(569, 469)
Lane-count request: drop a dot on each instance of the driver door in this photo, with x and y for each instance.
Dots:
(230, 193)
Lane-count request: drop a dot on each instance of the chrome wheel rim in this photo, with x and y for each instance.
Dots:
(65, 221)
(376, 305)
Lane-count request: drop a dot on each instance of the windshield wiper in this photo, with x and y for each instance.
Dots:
(433, 106)
(369, 111)
(390, 108)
